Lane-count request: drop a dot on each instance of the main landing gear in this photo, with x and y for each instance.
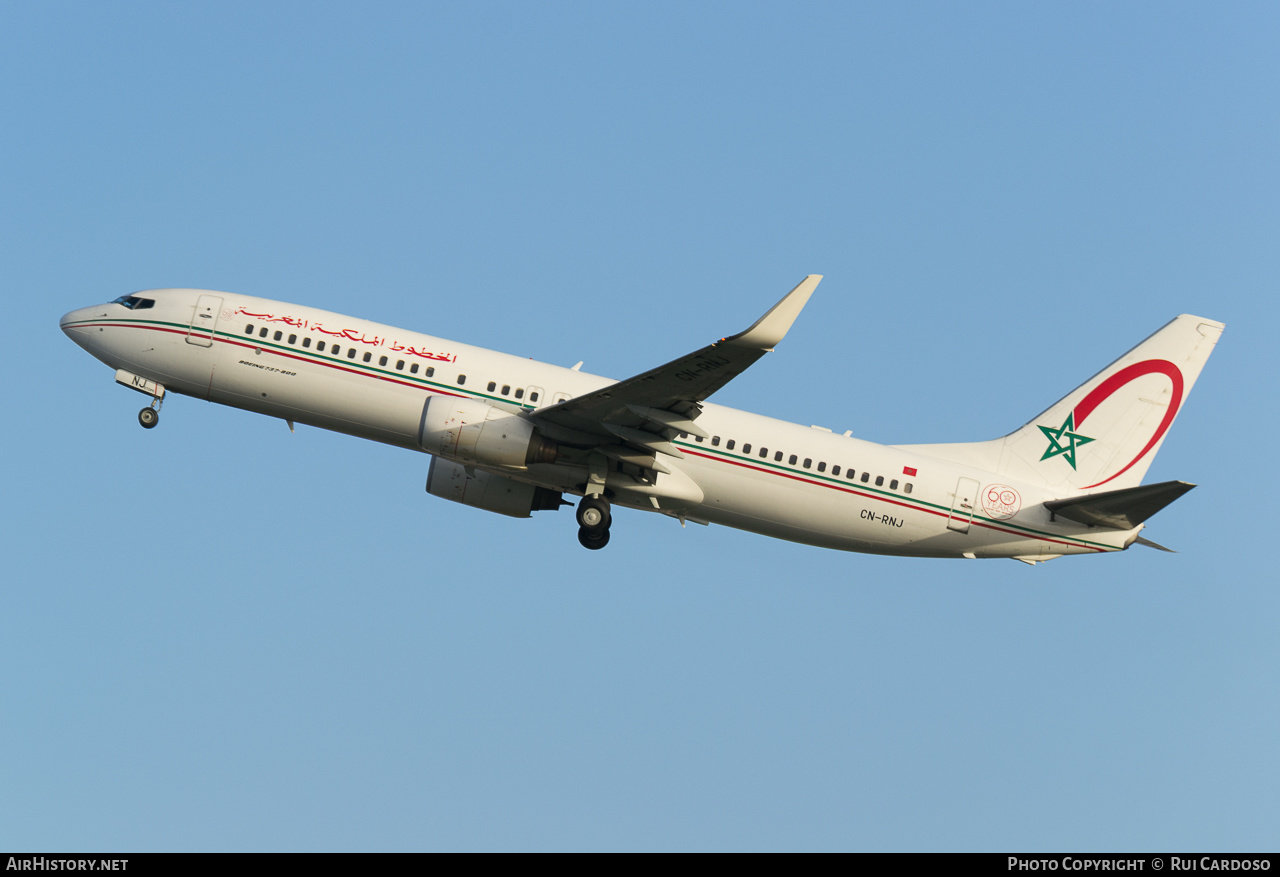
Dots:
(593, 522)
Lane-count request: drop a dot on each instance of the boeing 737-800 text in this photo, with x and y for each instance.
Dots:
(513, 436)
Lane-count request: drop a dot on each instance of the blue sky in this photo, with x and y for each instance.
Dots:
(217, 635)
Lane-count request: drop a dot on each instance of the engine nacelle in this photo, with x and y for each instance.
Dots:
(476, 433)
(484, 490)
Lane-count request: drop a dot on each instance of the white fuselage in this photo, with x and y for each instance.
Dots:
(753, 472)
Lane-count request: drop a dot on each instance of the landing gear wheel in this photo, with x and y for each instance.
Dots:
(593, 539)
(148, 417)
(593, 513)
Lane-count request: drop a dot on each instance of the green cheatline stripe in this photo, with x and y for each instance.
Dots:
(93, 322)
(401, 376)
(897, 497)
(324, 359)
(368, 368)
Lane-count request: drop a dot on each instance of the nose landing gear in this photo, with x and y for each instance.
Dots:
(150, 415)
(593, 522)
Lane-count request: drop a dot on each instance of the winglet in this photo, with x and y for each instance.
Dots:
(767, 331)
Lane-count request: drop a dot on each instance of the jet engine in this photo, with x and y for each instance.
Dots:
(476, 433)
(484, 490)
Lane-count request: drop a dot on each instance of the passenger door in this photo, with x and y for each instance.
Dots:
(204, 321)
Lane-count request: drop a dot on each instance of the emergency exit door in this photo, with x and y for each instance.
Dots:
(962, 505)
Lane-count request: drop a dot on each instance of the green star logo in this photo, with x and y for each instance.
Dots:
(1064, 440)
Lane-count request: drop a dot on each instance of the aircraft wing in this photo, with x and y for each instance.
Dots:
(648, 410)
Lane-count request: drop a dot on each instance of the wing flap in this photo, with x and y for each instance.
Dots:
(644, 439)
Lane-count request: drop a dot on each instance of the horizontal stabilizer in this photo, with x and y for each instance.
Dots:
(1119, 509)
(1155, 545)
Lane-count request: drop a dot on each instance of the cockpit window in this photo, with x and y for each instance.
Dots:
(133, 302)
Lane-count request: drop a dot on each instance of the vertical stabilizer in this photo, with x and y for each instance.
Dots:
(1104, 434)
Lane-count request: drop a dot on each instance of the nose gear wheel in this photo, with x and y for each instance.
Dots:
(594, 520)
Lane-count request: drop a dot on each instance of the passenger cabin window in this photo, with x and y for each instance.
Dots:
(431, 369)
(492, 386)
(697, 438)
(729, 444)
(399, 365)
(792, 460)
(879, 480)
(293, 339)
(746, 449)
(413, 369)
(715, 441)
(351, 353)
(808, 462)
(764, 453)
(866, 476)
(849, 474)
(320, 346)
(893, 485)
(835, 470)
(777, 457)
(519, 392)
(822, 467)
(382, 360)
(263, 333)
(506, 389)
(462, 379)
(367, 356)
(306, 342)
(533, 395)
(277, 336)
(906, 488)
(248, 330)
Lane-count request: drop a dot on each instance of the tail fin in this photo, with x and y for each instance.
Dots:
(1104, 434)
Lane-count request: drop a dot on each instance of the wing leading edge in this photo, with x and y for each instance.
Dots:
(648, 410)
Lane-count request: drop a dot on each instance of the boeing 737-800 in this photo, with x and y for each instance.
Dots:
(513, 436)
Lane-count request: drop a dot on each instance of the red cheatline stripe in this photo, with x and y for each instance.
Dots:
(884, 499)
(326, 363)
(744, 465)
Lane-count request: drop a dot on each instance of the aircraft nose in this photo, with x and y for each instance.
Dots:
(71, 319)
(75, 325)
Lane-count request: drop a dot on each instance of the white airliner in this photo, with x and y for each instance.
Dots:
(512, 436)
